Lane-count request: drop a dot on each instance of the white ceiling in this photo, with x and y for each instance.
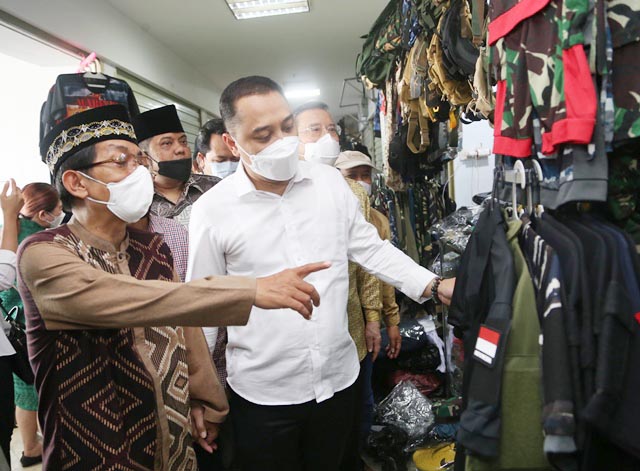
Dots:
(318, 49)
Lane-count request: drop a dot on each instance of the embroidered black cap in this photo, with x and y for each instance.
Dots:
(84, 129)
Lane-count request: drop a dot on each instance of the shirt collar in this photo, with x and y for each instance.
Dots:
(90, 239)
(195, 182)
(244, 185)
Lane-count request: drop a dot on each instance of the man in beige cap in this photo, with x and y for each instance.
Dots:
(319, 143)
(357, 166)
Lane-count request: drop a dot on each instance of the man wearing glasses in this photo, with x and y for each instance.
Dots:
(162, 136)
(291, 383)
(319, 142)
(118, 389)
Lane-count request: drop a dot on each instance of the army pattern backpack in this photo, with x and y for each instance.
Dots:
(380, 49)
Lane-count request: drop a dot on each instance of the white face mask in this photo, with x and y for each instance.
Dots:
(223, 169)
(366, 186)
(278, 161)
(130, 198)
(324, 151)
(57, 220)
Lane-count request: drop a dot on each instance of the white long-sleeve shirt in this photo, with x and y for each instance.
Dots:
(7, 269)
(7, 280)
(280, 358)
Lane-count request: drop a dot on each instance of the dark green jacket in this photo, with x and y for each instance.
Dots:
(521, 439)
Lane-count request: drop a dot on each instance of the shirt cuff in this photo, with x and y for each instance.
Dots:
(419, 281)
(392, 319)
(8, 257)
(371, 315)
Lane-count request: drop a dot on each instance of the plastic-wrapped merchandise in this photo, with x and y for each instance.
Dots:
(456, 228)
(411, 329)
(386, 445)
(427, 383)
(409, 409)
(425, 360)
(449, 266)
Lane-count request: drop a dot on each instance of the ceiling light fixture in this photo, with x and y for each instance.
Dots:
(302, 93)
(245, 9)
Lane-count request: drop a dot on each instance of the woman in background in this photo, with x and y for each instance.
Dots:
(42, 209)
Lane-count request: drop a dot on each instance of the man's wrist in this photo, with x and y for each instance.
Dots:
(433, 289)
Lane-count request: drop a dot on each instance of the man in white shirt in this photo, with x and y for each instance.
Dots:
(291, 379)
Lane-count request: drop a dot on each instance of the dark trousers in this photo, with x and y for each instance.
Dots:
(222, 459)
(362, 418)
(208, 461)
(366, 371)
(7, 407)
(304, 437)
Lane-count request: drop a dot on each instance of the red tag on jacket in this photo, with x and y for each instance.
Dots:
(487, 345)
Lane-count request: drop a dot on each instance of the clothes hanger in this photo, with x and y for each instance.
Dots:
(516, 177)
(538, 177)
(497, 178)
(94, 78)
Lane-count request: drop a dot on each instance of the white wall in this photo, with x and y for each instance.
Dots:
(97, 26)
(19, 124)
(474, 175)
(29, 69)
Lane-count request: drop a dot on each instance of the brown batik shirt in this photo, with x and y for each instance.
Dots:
(115, 380)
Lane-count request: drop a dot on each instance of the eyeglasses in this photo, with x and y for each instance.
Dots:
(316, 130)
(124, 160)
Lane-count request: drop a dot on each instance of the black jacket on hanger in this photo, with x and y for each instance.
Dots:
(585, 314)
(558, 415)
(615, 407)
(570, 265)
(482, 304)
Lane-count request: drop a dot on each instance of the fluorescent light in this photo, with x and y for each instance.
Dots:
(245, 9)
(302, 93)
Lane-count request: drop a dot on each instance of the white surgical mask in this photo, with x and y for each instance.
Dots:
(130, 198)
(278, 161)
(57, 220)
(223, 169)
(366, 186)
(324, 151)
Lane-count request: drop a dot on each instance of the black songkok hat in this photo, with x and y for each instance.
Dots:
(158, 121)
(83, 130)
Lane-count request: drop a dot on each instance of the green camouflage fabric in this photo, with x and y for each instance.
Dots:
(445, 410)
(626, 92)
(525, 66)
(573, 23)
(624, 21)
(390, 38)
(375, 62)
(623, 201)
(532, 79)
(429, 13)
